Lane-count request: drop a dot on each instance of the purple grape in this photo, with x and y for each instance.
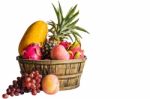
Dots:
(16, 94)
(34, 92)
(5, 96)
(26, 83)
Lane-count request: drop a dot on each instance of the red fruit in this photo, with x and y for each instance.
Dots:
(5, 96)
(71, 54)
(33, 81)
(33, 52)
(34, 92)
(58, 52)
(74, 50)
(12, 94)
(33, 86)
(65, 44)
(16, 93)
(28, 79)
(28, 85)
(8, 91)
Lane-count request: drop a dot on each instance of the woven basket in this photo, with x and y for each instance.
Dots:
(68, 71)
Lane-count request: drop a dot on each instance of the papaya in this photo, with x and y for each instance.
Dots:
(35, 33)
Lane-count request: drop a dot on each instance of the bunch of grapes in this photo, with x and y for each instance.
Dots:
(27, 83)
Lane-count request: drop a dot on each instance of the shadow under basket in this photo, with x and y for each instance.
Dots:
(68, 71)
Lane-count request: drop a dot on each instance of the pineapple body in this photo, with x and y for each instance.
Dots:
(48, 45)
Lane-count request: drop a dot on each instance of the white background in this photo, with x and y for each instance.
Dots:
(118, 48)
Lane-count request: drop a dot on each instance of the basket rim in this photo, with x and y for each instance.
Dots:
(47, 61)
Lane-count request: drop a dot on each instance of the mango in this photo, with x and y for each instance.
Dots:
(79, 54)
(35, 33)
(75, 45)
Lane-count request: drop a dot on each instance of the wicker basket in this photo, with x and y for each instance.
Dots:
(68, 71)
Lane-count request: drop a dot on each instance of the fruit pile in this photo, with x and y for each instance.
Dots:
(51, 41)
(62, 51)
(59, 42)
(33, 83)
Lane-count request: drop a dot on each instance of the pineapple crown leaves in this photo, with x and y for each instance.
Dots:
(66, 27)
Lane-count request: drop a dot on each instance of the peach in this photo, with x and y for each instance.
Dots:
(50, 84)
(59, 52)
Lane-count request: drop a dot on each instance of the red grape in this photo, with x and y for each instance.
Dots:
(8, 91)
(31, 75)
(5, 96)
(26, 83)
(14, 82)
(18, 90)
(33, 81)
(34, 92)
(37, 72)
(38, 86)
(38, 80)
(16, 94)
(13, 89)
(12, 94)
(22, 91)
(18, 78)
(26, 75)
(28, 79)
(10, 86)
(33, 86)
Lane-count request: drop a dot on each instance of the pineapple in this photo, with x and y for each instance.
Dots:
(64, 29)
(48, 45)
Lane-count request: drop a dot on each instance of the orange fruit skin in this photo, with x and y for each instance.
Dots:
(50, 84)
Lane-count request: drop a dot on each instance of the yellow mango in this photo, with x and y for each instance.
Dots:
(35, 33)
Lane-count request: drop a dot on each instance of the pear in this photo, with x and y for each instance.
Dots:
(59, 52)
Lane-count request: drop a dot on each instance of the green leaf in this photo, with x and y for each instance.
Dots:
(76, 38)
(71, 18)
(60, 11)
(73, 23)
(71, 12)
(77, 34)
(53, 24)
(81, 29)
(65, 30)
(61, 14)
(69, 36)
(57, 14)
